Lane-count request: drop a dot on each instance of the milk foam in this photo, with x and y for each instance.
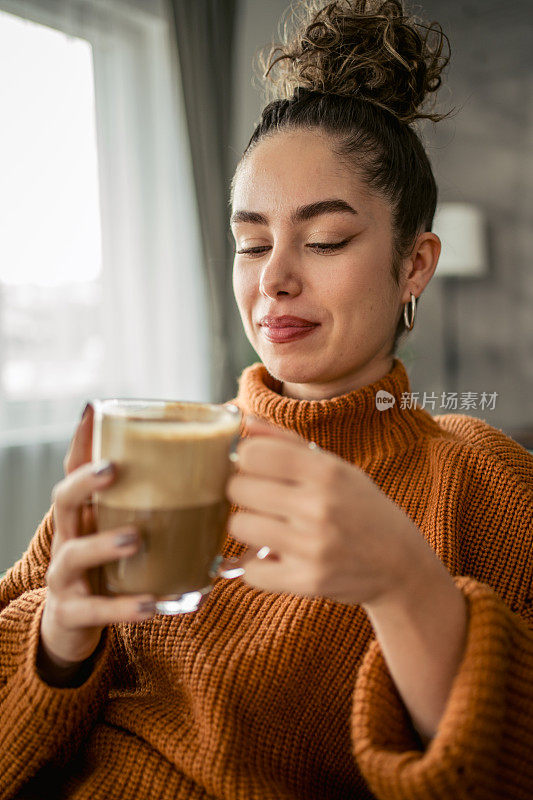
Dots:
(164, 430)
(165, 463)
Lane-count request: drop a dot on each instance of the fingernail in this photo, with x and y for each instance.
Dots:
(85, 410)
(126, 538)
(103, 468)
(146, 607)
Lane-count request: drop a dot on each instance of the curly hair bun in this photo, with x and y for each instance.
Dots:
(361, 48)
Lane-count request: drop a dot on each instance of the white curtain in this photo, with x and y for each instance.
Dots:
(154, 291)
(155, 297)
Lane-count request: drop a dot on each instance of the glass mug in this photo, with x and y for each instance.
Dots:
(173, 460)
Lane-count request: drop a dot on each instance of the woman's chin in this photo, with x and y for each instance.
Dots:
(284, 371)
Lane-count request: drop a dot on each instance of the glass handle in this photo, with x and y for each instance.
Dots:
(234, 567)
(226, 567)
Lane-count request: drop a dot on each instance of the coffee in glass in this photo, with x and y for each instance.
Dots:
(173, 460)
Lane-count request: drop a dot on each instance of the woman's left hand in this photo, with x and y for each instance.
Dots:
(331, 531)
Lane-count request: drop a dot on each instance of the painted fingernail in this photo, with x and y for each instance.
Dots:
(146, 607)
(126, 538)
(103, 468)
(85, 410)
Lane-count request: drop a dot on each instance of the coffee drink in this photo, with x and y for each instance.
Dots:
(172, 462)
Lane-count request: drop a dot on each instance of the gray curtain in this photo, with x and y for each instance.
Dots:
(204, 42)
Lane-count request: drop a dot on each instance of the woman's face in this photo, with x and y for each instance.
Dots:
(282, 265)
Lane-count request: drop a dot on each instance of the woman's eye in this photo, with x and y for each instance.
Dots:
(322, 247)
(329, 247)
(252, 250)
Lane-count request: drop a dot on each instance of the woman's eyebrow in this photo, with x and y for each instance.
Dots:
(300, 214)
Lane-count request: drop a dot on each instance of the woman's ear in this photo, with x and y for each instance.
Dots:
(421, 264)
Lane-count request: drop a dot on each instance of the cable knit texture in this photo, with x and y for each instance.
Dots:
(262, 696)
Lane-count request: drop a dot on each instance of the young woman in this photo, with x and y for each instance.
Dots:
(384, 647)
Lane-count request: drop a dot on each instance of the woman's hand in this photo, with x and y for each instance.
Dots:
(331, 531)
(73, 617)
(335, 534)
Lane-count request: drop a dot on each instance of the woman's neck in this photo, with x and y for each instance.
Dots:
(363, 375)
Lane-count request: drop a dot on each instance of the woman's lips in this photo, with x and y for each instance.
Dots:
(288, 333)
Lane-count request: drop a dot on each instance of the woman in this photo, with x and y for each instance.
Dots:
(383, 649)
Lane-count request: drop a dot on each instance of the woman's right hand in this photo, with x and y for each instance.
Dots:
(73, 617)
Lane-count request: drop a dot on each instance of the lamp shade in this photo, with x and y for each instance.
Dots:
(461, 229)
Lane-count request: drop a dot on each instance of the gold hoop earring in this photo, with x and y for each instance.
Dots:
(409, 323)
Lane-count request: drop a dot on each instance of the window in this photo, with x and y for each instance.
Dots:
(72, 326)
(86, 312)
(51, 341)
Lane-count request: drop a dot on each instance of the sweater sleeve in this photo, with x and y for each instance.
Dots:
(29, 571)
(39, 723)
(484, 742)
(482, 749)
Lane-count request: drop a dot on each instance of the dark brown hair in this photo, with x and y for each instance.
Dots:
(361, 71)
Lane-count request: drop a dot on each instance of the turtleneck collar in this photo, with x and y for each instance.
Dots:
(339, 423)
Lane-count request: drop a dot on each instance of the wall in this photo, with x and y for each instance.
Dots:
(483, 154)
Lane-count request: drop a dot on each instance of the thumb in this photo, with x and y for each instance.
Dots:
(80, 449)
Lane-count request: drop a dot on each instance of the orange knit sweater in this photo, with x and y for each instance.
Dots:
(261, 696)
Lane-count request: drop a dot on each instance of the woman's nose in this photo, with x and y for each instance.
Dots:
(280, 274)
